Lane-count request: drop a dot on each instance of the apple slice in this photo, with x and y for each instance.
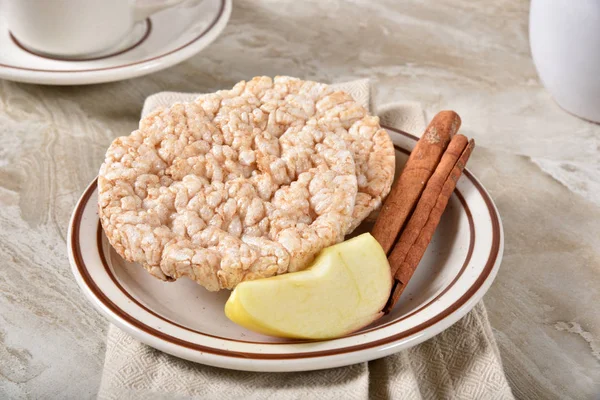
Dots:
(344, 289)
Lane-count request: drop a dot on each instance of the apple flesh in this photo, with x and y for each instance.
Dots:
(343, 290)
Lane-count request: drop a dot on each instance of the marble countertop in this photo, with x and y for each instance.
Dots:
(541, 166)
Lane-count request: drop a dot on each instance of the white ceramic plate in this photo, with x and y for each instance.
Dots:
(183, 319)
(156, 44)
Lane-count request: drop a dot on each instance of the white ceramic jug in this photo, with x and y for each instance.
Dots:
(565, 45)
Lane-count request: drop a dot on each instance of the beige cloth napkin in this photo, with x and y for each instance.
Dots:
(462, 362)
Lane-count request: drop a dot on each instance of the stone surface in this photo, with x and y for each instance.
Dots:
(540, 165)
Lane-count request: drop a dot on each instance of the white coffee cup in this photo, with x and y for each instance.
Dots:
(75, 28)
(565, 45)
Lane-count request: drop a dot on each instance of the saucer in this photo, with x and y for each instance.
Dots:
(152, 45)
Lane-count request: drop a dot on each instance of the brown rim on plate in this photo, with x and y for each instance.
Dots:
(200, 35)
(127, 319)
(109, 272)
(58, 58)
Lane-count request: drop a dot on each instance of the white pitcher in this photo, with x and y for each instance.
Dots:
(565, 45)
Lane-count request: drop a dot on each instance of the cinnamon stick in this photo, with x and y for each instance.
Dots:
(404, 260)
(408, 188)
(426, 202)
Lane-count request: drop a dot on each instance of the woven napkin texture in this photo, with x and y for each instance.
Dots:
(462, 362)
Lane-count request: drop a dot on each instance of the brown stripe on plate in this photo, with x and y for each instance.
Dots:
(200, 35)
(127, 319)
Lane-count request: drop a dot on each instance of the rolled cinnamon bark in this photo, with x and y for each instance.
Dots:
(427, 201)
(419, 231)
(418, 169)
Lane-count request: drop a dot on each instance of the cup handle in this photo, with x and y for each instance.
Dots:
(145, 8)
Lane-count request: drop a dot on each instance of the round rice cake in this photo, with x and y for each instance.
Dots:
(228, 188)
(244, 183)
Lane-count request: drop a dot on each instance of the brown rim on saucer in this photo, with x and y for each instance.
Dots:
(200, 35)
(129, 320)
